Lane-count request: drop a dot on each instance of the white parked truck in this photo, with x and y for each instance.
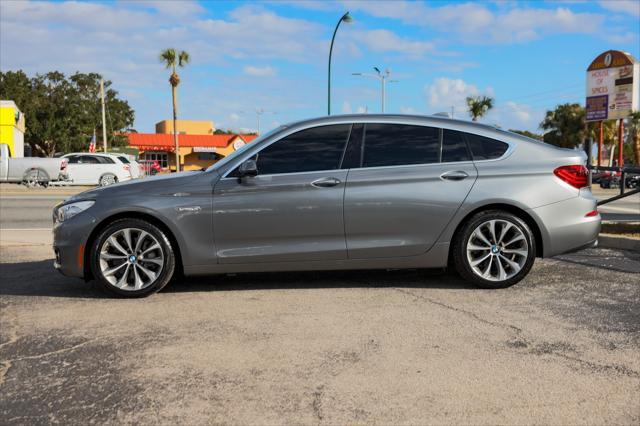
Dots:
(31, 170)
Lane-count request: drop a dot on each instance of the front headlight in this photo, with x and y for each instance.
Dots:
(70, 210)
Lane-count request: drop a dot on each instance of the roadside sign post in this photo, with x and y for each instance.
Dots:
(612, 93)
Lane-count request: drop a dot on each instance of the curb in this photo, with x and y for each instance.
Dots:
(618, 242)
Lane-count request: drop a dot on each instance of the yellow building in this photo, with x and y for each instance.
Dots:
(186, 127)
(12, 127)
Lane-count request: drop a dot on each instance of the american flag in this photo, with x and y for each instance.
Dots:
(92, 144)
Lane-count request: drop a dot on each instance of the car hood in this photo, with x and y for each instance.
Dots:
(159, 184)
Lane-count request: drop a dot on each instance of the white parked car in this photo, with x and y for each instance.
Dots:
(89, 168)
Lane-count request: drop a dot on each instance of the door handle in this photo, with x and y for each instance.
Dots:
(454, 175)
(326, 182)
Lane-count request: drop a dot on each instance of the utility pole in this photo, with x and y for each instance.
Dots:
(104, 123)
(452, 109)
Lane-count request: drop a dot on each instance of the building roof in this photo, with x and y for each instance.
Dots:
(159, 140)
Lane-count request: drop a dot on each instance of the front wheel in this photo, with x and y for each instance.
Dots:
(495, 249)
(132, 258)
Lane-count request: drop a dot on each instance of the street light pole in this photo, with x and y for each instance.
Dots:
(384, 79)
(346, 18)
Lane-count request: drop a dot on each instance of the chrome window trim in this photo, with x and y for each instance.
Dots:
(425, 121)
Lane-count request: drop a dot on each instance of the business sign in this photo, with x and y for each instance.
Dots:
(204, 149)
(612, 86)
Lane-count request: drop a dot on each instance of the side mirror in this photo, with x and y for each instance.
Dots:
(248, 168)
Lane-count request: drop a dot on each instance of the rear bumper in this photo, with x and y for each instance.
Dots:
(70, 242)
(564, 226)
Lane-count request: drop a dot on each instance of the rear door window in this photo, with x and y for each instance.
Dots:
(454, 148)
(88, 159)
(484, 148)
(125, 160)
(400, 144)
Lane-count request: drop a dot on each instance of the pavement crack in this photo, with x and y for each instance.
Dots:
(462, 311)
(67, 349)
(317, 402)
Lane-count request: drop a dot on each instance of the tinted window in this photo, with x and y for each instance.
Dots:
(485, 148)
(87, 159)
(399, 144)
(105, 160)
(125, 160)
(454, 147)
(72, 159)
(319, 148)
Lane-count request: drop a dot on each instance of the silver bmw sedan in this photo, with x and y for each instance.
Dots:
(339, 192)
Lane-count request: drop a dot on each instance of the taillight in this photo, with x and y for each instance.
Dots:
(575, 175)
(126, 168)
(63, 165)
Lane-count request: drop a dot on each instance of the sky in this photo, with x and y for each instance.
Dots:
(272, 56)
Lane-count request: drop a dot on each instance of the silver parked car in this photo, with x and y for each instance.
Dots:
(339, 192)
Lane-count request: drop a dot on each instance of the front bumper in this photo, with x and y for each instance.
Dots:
(564, 226)
(70, 243)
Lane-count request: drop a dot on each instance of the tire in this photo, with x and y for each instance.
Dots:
(147, 269)
(107, 179)
(492, 263)
(36, 177)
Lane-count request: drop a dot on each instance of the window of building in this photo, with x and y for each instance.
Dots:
(454, 148)
(485, 148)
(209, 156)
(161, 157)
(318, 148)
(400, 144)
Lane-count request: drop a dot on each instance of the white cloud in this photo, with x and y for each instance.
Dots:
(265, 71)
(234, 117)
(445, 93)
(346, 108)
(632, 7)
(386, 41)
(476, 23)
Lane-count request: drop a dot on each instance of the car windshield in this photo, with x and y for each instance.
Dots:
(240, 151)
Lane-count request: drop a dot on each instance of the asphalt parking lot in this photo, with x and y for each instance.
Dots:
(389, 347)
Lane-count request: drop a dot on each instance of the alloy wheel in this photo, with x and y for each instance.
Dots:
(497, 250)
(131, 259)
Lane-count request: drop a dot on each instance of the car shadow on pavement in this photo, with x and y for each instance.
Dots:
(37, 278)
(411, 278)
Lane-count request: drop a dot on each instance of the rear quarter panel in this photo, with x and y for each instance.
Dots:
(523, 178)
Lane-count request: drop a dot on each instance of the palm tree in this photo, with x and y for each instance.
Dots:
(173, 59)
(634, 132)
(478, 106)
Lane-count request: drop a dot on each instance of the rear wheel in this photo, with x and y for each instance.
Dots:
(107, 179)
(495, 249)
(36, 177)
(132, 258)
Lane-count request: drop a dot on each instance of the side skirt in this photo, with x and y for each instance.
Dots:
(436, 257)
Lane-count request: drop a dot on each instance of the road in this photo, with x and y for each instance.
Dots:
(388, 347)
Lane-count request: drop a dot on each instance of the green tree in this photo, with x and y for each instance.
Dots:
(564, 126)
(633, 124)
(478, 106)
(527, 134)
(173, 59)
(62, 113)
